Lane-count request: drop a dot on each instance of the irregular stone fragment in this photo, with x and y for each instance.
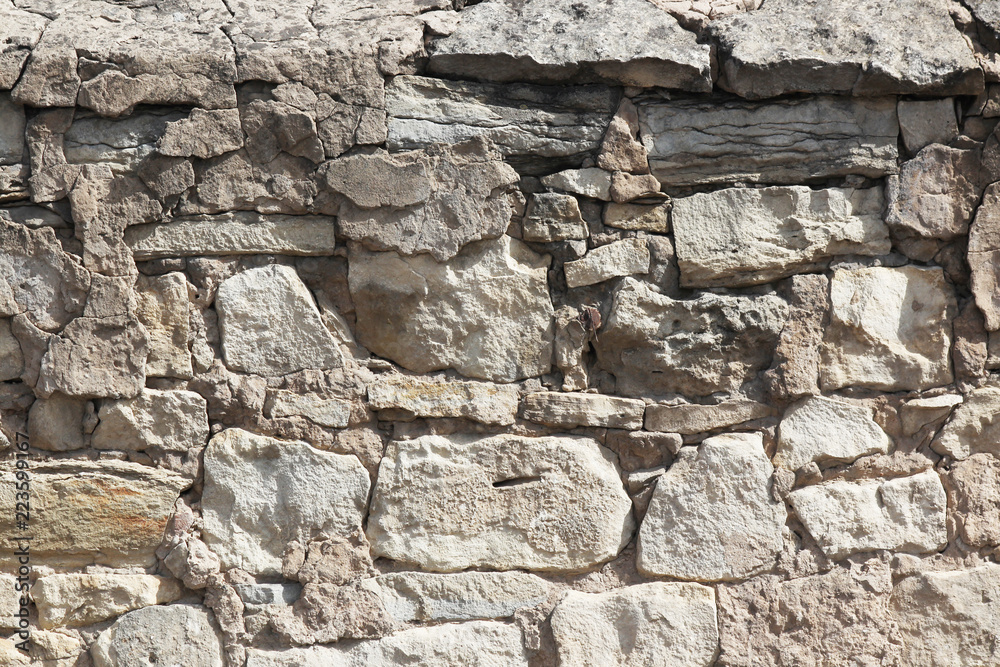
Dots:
(203, 134)
(712, 516)
(874, 48)
(553, 503)
(678, 626)
(83, 512)
(824, 430)
(486, 313)
(327, 613)
(177, 634)
(924, 122)
(888, 329)
(691, 418)
(638, 217)
(261, 493)
(56, 423)
(949, 618)
(11, 359)
(630, 187)
(969, 350)
(162, 308)
(166, 176)
(974, 498)
(590, 182)
(168, 420)
(620, 150)
(984, 257)
(273, 127)
(234, 182)
(745, 236)
(652, 343)
(120, 144)
(472, 644)
(537, 128)
(920, 411)
(260, 594)
(330, 412)
(483, 402)
(693, 142)
(621, 258)
(902, 514)
(551, 216)
(987, 12)
(569, 410)
(794, 371)
(463, 596)
(270, 325)
(441, 199)
(74, 600)
(18, 35)
(973, 427)
(9, 602)
(11, 131)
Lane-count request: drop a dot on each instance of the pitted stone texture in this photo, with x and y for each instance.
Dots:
(712, 516)
(537, 128)
(714, 342)
(463, 596)
(483, 402)
(949, 619)
(503, 502)
(878, 47)
(162, 635)
(270, 324)
(621, 258)
(825, 430)
(9, 602)
(588, 182)
(74, 600)
(902, 514)
(261, 493)
(691, 142)
(890, 329)
(552, 216)
(974, 497)
(974, 427)
(628, 42)
(984, 257)
(691, 418)
(472, 644)
(162, 308)
(169, 420)
(987, 12)
(486, 313)
(745, 236)
(120, 144)
(638, 626)
(555, 408)
(433, 201)
(203, 134)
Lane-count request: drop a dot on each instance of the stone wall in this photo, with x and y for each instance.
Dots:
(526, 333)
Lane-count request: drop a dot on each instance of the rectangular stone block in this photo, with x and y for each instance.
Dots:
(479, 401)
(553, 408)
(693, 418)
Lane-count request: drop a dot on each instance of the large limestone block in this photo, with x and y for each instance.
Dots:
(691, 418)
(160, 635)
(646, 625)
(984, 257)
(462, 596)
(261, 493)
(692, 142)
(880, 47)
(745, 236)
(568, 410)
(270, 324)
(174, 420)
(483, 402)
(652, 343)
(826, 430)
(82, 512)
(712, 516)
(472, 644)
(486, 313)
(974, 427)
(904, 514)
(949, 619)
(74, 600)
(56, 423)
(974, 498)
(621, 258)
(890, 329)
(537, 128)
(162, 307)
(503, 502)
(629, 42)
(923, 122)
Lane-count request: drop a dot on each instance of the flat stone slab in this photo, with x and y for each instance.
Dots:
(825, 430)
(555, 408)
(692, 418)
(75, 600)
(974, 427)
(483, 402)
(462, 596)
(621, 258)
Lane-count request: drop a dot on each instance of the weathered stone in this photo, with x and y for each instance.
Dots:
(984, 257)
(162, 308)
(620, 149)
(630, 187)
(745, 236)
(652, 343)
(165, 635)
(551, 216)
(970, 347)
(259, 594)
(920, 411)
(678, 627)
(537, 128)
(903, 514)
(621, 258)
(691, 418)
(692, 142)
(623, 41)
(261, 493)
(82, 512)
(712, 516)
(569, 410)
(327, 613)
(329, 412)
(987, 12)
(463, 596)
(203, 134)
(11, 358)
(11, 131)
(486, 313)
(825, 430)
(483, 402)
(120, 144)
(173, 421)
(875, 48)
(974, 498)
(274, 127)
(9, 602)
(436, 201)
(638, 217)
(949, 618)
(927, 122)
(19, 33)
(56, 423)
(514, 493)
(973, 427)
(73, 600)
(472, 644)
(166, 176)
(270, 324)
(590, 182)
(795, 369)
(887, 329)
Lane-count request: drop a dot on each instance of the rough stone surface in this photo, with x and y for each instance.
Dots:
(744, 236)
(920, 411)
(983, 256)
(11, 358)
(678, 626)
(825, 430)
(712, 517)
(692, 418)
(927, 122)
(972, 428)
(638, 217)
(478, 401)
(551, 216)
(168, 420)
(11, 131)
(621, 258)
(73, 600)
(575, 409)
(167, 635)
(588, 182)
(56, 423)
(203, 134)
(974, 496)
(904, 514)
(162, 308)
(463, 596)
(514, 491)
(330, 412)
